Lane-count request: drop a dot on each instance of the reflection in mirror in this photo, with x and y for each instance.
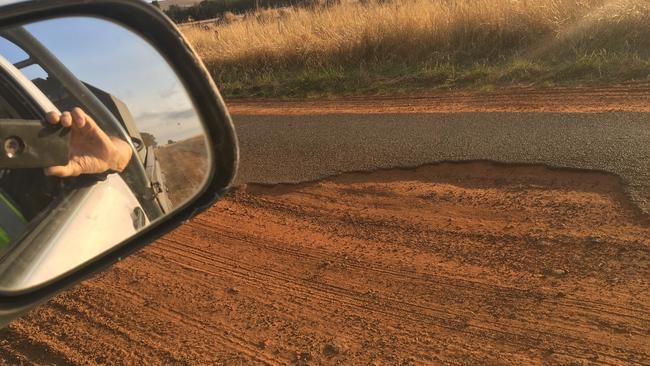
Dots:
(99, 139)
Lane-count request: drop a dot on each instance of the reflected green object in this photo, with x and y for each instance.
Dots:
(7, 202)
(12, 222)
(4, 240)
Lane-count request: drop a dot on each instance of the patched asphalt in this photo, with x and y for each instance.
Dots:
(292, 149)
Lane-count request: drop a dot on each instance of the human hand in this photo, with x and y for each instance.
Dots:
(91, 149)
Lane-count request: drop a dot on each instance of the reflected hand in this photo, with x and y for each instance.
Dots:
(91, 149)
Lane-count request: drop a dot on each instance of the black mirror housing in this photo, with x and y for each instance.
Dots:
(153, 26)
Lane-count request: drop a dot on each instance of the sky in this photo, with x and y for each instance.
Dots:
(118, 61)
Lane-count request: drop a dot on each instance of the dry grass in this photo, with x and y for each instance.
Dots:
(404, 44)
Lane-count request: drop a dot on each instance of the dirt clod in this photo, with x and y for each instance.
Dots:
(558, 272)
(261, 345)
(325, 264)
(331, 349)
(594, 240)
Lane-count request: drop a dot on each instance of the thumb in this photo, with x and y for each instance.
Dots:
(62, 171)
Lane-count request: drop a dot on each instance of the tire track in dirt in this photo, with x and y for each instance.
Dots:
(387, 301)
(392, 267)
(445, 283)
(238, 344)
(395, 307)
(349, 302)
(299, 283)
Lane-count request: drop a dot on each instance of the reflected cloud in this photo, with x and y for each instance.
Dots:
(170, 125)
(166, 116)
(168, 93)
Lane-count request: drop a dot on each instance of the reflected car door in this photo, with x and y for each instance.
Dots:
(88, 219)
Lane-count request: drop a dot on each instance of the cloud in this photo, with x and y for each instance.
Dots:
(174, 124)
(170, 92)
(182, 114)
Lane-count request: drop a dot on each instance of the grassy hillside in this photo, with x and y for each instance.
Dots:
(398, 46)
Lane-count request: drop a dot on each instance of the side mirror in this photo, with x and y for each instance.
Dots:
(112, 133)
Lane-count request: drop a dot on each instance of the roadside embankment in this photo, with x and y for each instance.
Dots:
(398, 47)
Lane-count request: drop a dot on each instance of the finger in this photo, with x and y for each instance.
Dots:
(53, 117)
(66, 119)
(62, 171)
(80, 117)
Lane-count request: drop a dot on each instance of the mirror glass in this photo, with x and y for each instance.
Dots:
(99, 138)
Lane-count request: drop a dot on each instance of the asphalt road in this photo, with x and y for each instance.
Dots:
(291, 149)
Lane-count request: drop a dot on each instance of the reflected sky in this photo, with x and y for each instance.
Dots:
(117, 61)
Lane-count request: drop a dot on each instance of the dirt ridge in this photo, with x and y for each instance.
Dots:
(633, 97)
